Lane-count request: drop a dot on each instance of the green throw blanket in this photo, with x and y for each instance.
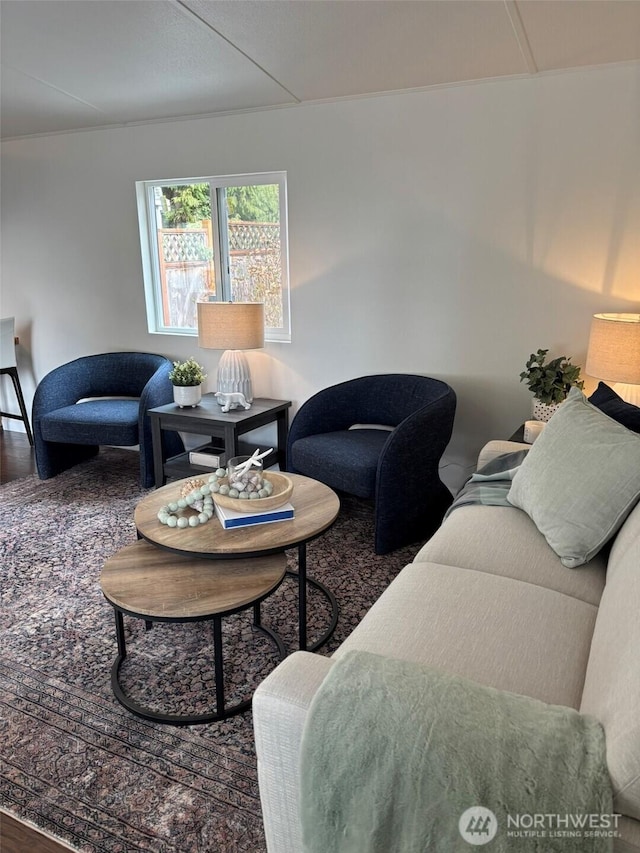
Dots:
(394, 754)
(490, 485)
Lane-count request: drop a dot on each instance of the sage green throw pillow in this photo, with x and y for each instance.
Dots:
(580, 480)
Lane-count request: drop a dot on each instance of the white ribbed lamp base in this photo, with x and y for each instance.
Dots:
(234, 376)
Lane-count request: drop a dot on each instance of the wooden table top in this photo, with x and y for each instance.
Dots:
(316, 508)
(150, 582)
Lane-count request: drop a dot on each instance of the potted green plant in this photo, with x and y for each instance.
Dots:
(187, 378)
(550, 382)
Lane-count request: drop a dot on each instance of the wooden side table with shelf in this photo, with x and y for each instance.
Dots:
(225, 428)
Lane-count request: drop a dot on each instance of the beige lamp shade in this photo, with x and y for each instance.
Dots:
(231, 325)
(614, 348)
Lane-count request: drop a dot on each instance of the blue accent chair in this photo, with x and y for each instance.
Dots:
(69, 428)
(397, 469)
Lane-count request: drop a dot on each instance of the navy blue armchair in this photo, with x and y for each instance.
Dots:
(397, 469)
(69, 428)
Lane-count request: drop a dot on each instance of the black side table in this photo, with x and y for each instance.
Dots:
(208, 419)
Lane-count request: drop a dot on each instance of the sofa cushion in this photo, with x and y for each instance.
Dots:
(495, 630)
(612, 682)
(515, 549)
(628, 840)
(580, 480)
(612, 404)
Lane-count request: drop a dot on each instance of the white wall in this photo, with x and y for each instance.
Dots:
(450, 233)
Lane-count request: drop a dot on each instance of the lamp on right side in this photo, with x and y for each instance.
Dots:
(614, 353)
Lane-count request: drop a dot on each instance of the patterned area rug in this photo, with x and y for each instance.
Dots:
(73, 761)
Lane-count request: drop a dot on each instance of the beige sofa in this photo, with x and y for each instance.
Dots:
(488, 599)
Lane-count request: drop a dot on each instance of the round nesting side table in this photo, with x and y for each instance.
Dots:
(160, 586)
(316, 508)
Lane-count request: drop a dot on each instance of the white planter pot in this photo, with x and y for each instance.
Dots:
(187, 395)
(543, 411)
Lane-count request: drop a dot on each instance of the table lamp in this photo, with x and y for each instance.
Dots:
(614, 353)
(233, 327)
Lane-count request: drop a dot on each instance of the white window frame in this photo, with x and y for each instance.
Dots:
(148, 243)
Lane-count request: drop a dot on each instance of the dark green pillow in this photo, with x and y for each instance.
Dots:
(612, 404)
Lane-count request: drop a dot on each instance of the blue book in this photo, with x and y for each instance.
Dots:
(230, 518)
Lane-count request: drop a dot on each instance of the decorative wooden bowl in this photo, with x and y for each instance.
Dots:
(282, 489)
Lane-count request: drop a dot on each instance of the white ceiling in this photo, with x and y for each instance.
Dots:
(76, 64)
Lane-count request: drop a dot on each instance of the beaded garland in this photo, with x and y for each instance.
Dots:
(197, 495)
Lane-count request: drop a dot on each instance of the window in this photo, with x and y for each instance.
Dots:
(221, 238)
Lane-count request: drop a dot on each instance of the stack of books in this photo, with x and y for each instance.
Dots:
(209, 456)
(230, 518)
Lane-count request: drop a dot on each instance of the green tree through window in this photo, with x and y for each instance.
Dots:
(254, 204)
(190, 204)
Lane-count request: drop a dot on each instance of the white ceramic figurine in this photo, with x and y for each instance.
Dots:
(231, 400)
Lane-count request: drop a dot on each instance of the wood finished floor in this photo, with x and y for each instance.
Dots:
(16, 837)
(17, 460)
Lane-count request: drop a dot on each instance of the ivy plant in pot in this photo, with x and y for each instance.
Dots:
(550, 382)
(187, 378)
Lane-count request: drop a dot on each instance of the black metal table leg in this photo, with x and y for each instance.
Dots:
(218, 665)
(221, 712)
(122, 649)
(302, 595)
(303, 579)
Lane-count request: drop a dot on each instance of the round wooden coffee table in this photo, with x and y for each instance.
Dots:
(316, 508)
(159, 586)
